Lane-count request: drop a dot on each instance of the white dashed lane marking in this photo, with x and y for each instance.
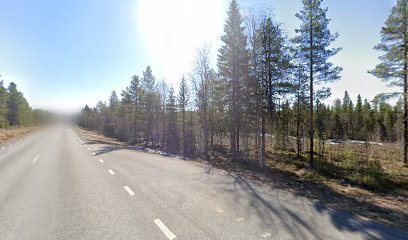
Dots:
(131, 193)
(111, 172)
(164, 229)
(100, 160)
(36, 158)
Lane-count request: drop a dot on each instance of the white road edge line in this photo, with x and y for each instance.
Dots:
(131, 193)
(111, 172)
(164, 229)
(100, 160)
(36, 158)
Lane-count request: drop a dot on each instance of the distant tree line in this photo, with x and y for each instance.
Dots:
(265, 85)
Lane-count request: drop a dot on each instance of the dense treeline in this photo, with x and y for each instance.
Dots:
(265, 86)
(14, 108)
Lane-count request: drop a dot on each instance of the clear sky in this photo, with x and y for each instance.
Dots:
(64, 54)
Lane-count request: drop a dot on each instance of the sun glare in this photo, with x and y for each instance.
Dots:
(173, 30)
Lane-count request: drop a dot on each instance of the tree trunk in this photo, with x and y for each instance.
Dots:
(405, 149)
(205, 135)
(311, 96)
(233, 134)
(237, 134)
(258, 132)
(298, 124)
(262, 152)
(184, 133)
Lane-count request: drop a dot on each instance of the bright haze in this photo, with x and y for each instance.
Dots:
(65, 54)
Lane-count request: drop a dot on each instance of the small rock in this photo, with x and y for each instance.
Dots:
(344, 182)
(402, 199)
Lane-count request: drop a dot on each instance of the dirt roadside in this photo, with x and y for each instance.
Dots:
(14, 133)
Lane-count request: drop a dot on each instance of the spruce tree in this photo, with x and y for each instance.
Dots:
(149, 102)
(183, 100)
(233, 69)
(359, 126)
(347, 116)
(172, 128)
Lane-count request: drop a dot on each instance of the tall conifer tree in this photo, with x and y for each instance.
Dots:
(233, 69)
(394, 63)
(313, 52)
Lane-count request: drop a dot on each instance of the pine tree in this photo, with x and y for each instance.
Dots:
(233, 69)
(150, 101)
(183, 101)
(323, 125)
(172, 128)
(13, 104)
(124, 117)
(135, 92)
(369, 119)
(394, 63)
(160, 124)
(337, 123)
(398, 111)
(85, 115)
(313, 52)
(19, 112)
(301, 87)
(4, 98)
(389, 121)
(252, 23)
(347, 116)
(359, 126)
(101, 108)
(112, 108)
(273, 64)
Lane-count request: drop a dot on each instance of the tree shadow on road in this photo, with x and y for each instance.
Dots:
(107, 149)
(277, 208)
(343, 210)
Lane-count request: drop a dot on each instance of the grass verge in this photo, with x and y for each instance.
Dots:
(14, 133)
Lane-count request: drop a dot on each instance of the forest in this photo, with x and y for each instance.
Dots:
(15, 110)
(265, 101)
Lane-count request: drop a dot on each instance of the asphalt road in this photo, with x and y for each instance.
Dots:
(57, 184)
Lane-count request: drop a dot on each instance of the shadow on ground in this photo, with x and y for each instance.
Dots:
(339, 207)
(325, 202)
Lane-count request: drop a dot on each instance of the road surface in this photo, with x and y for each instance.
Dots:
(57, 184)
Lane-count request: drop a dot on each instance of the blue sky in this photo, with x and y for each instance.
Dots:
(64, 54)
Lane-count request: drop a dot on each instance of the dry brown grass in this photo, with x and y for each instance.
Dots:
(96, 136)
(11, 134)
